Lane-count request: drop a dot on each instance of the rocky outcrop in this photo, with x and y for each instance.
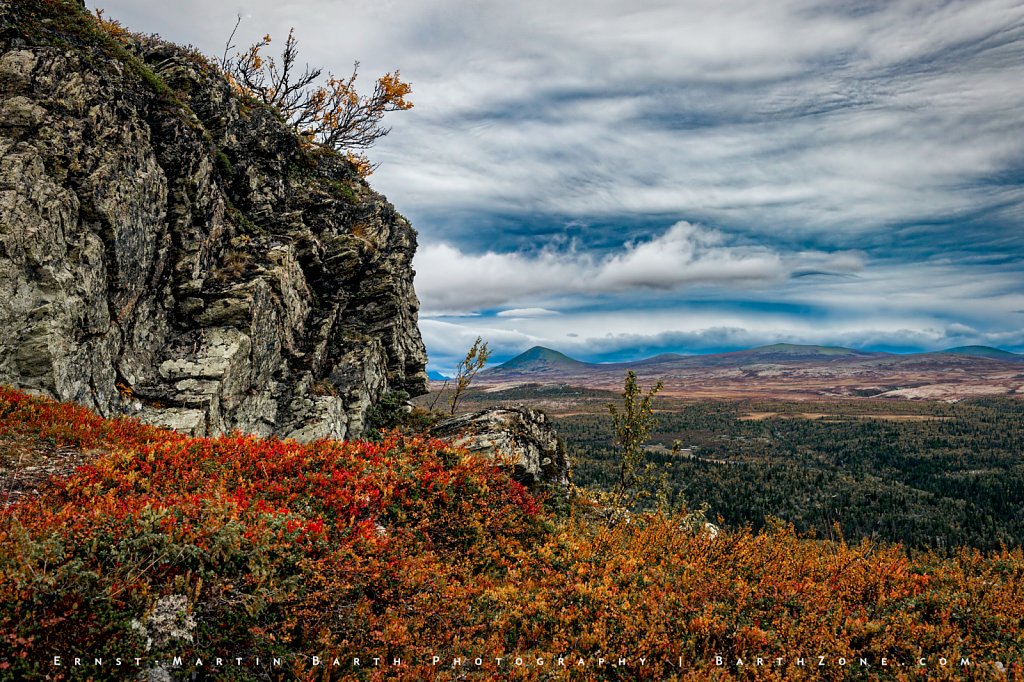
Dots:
(524, 435)
(171, 250)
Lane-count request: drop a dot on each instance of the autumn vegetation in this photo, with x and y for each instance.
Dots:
(326, 111)
(333, 113)
(410, 548)
(467, 369)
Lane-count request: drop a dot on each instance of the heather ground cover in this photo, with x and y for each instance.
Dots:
(407, 548)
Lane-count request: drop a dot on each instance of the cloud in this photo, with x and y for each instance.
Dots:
(932, 306)
(688, 174)
(803, 115)
(798, 116)
(684, 255)
(523, 313)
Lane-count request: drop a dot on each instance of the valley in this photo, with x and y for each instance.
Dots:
(927, 473)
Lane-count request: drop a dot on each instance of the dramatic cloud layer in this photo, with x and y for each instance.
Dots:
(618, 177)
(685, 255)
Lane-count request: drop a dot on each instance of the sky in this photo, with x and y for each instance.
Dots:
(620, 178)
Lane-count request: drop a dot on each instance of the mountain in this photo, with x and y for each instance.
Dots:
(174, 251)
(537, 360)
(434, 375)
(799, 351)
(781, 353)
(985, 352)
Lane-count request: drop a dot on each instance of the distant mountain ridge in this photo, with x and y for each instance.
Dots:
(792, 352)
(786, 370)
(796, 349)
(542, 359)
(984, 352)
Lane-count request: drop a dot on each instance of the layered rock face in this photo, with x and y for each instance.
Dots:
(524, 435)
(173, 251)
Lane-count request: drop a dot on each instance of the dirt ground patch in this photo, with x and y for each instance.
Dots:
(28, 464)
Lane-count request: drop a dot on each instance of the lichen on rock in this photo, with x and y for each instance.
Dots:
(168, 622)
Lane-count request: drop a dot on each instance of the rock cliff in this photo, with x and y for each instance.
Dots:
(172, 250)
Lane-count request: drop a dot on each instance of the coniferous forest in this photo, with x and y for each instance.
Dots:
(933, 475)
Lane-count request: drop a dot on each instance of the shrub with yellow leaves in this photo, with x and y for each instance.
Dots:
(332, 114)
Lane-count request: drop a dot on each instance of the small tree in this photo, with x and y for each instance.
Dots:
(632, 425)
(333, 113)
(467, 370)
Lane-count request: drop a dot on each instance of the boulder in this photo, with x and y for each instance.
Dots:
(524, 435)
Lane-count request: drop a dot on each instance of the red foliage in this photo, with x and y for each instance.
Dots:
(408, 548)
(268, 536)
